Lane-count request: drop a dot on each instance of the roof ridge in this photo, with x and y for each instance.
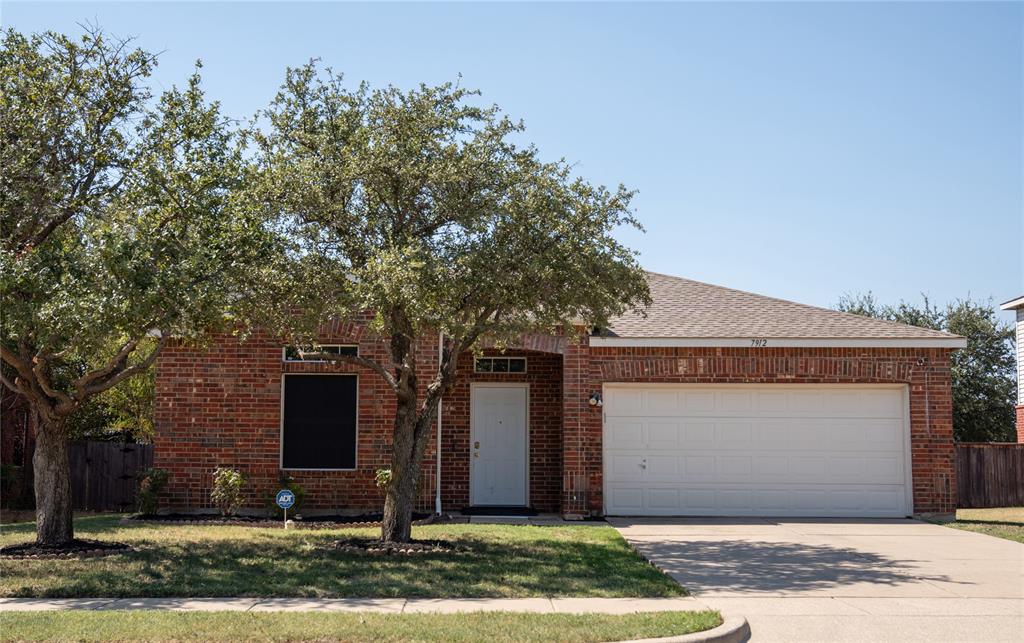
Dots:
(802, 305)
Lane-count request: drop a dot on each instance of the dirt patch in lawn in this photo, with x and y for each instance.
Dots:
(78, 548)
(374, 547)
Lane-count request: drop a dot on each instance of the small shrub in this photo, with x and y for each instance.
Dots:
(383, 479)
(227, 490)
(151, 484)
(285, 481)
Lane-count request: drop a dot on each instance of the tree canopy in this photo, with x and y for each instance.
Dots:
(984, 374)
(119, 227)
(418, 206)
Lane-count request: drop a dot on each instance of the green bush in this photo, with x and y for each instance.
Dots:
(227, 490)
(151, 484)
(285, 481)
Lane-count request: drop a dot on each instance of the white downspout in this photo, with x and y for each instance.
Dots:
(437, 449)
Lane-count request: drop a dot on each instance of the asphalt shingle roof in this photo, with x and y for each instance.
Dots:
(692, 309)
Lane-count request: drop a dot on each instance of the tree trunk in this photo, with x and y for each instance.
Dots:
(412, 433)
(52, 486)
(396, 526)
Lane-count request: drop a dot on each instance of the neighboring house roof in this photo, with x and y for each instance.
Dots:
(1013, 304)
(708, 315)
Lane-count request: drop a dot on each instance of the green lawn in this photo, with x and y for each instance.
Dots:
(192, 560)
(292, 626)
(1004, 522)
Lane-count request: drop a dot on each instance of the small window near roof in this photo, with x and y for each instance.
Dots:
(311, 353)
(500, 365)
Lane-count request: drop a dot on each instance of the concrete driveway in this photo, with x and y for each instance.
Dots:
(843, 580)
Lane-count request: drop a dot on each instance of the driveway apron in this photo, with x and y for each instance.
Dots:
(842, 580)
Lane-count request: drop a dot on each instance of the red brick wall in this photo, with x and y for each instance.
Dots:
(926, 371)
(221, 405)
(544, 375)
(1020, 423)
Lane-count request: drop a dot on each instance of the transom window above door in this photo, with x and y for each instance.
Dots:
(500, 365)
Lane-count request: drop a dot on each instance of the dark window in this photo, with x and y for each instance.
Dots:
(311, 353)
(500, 365)
(319, 422)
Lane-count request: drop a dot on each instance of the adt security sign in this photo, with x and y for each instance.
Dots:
(285, 499)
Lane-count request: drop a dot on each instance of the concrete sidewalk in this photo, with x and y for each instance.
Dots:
(369, 605)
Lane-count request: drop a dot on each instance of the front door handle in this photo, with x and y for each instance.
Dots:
(476, 445)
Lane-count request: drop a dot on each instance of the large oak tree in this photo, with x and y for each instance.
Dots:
(118, 229)
(418, 206)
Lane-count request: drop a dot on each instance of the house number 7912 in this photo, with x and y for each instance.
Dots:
(759, 343)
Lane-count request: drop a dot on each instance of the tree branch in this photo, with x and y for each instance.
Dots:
(44, 383)
(358, 361)
(127, 372)
(9, 384)
(122, 355)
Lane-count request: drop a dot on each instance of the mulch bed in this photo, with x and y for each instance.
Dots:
(78, 548)
(374, 547)
(309, 522)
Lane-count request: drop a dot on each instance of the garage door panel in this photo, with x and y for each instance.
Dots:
(662, 434)
(746, 450)
(666, 500)
(625, 466)
(660, 402)
(768, 402)
(734, 435)
(735, 403)
(734, 467)
(627, 402)
(699, 467)
(663, 467)
(698, 434)
(624, 433)
(698, 402)
(627, 500)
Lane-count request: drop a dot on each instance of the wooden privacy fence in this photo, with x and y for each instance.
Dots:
(104, 474)
(989, 474)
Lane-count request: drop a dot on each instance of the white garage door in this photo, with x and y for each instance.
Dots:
(765, 450)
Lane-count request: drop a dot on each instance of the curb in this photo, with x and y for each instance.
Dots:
(734, 629)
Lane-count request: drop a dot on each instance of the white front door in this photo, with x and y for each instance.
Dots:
(498, 445)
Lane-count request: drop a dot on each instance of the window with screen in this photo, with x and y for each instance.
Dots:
(319, 422)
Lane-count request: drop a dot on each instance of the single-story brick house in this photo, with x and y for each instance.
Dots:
(717, 402)
(1017, 305)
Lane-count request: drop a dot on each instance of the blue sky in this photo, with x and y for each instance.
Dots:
(799, 150)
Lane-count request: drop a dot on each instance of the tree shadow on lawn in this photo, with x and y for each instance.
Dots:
(762, 566)
(91, 523)
(269, 565)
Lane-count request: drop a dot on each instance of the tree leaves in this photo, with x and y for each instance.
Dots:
(984, 375)
(121, 217)
(419, 200)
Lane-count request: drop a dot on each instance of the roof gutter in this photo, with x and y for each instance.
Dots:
(780, 342)
(1013, 304)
